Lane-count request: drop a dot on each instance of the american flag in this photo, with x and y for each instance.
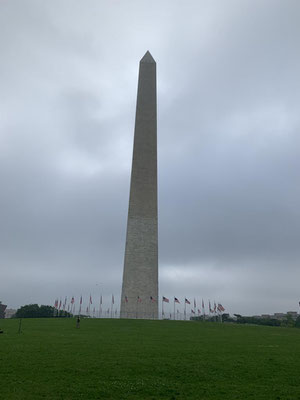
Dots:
(195, 305)
(187, 301)
(199, 312)
(101, 299)
(176, 300)
(59, 305)
(80, 300)
(139, 299)
(126, 299)
(202, 303)
(193, 311)
(152, 299)
(113, 299)
(72, 301)
(220, 307)
(165, 299)
(91, 302)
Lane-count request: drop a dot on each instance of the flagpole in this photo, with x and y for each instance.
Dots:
(100, 306)
(174, 308)
(90, 306)
(112, 306)
(215, 311)
(54, 311)
(184, 308)
(162, 307)
(100, 301)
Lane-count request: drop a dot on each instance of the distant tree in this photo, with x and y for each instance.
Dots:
(36, 311)
(297, 322)
(28, 311)
(257, 321)
(226, 318)
(288, 321)
(240, 319)
(46, 311)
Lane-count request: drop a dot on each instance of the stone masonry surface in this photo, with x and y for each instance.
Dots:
(140, 277)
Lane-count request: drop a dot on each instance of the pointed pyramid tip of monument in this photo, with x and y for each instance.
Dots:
(147, 58)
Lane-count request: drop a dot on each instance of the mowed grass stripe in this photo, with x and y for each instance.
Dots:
(135, 359)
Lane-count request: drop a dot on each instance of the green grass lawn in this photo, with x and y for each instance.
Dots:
(134, 359)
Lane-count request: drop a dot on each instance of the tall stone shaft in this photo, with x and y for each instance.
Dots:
(140, 276)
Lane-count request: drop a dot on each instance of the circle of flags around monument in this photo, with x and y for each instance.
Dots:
(170, 308)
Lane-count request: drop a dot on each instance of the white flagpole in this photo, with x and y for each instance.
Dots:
(174, 308)
(100, 310)
(215, 311)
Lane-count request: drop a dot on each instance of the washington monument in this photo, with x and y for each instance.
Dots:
(140, 277)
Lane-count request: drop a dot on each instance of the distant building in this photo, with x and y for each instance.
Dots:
(293, 314)
(279, 316)
(265, 316)
(10, 312)
(2, 310)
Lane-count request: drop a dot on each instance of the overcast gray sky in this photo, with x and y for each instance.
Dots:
(228, 148)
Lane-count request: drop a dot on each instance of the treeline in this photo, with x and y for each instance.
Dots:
(257, 321)
(36, 311)
(288, 321)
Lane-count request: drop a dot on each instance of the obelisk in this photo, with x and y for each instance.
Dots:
(140, 277)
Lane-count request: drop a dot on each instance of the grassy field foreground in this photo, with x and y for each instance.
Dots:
(133, 359)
